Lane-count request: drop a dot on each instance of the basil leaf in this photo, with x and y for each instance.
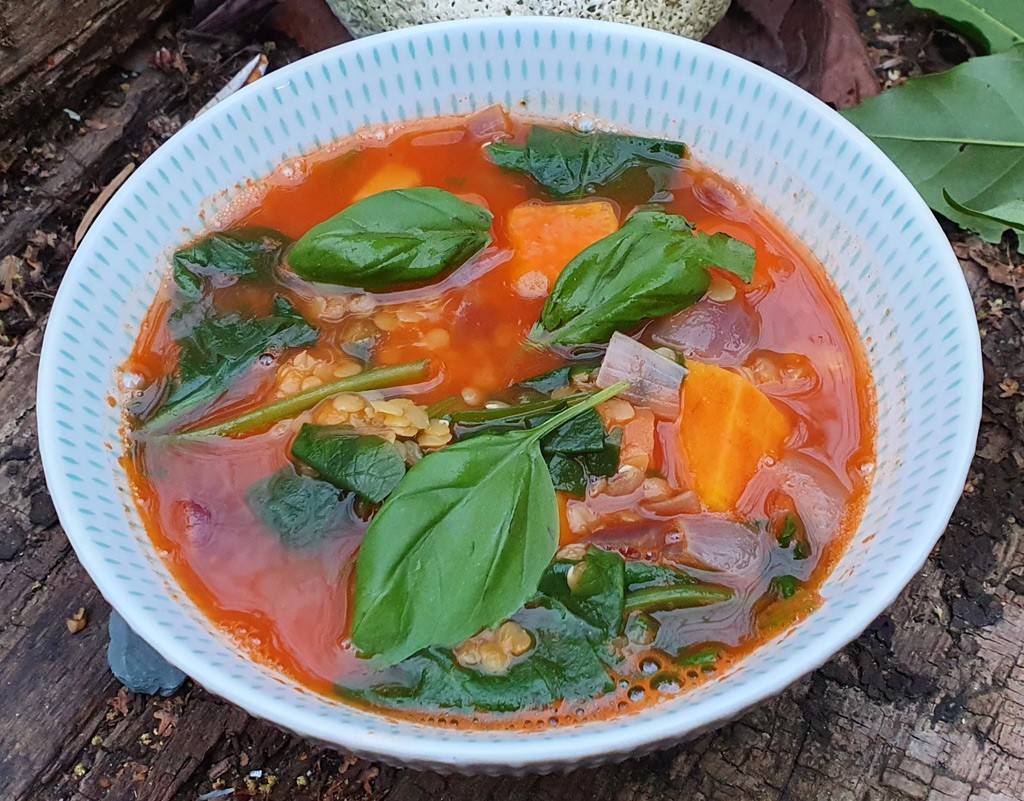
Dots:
(484, 508)
(393, 237)
(654, 265)
(364, 464)
(221, 259)
(569, 164)
(221, 347)
(562, 664)
(299, 509)
(598, 591)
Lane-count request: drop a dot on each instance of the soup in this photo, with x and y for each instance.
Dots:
(488, 423)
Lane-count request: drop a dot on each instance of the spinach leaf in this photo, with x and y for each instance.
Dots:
(367, 465)
(471, 529)
(393, 237)
(561, 665)
(225, 257)
(221, 347)
(569, 164)
(299, 509)
(597, 593)
(574, 452)
(700, 656)
(548, 382)
(655, 264)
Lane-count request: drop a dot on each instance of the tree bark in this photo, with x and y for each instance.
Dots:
(51, 52)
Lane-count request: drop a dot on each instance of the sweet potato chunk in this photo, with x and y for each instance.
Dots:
(547, 236)
(726, 427)
(390, 176)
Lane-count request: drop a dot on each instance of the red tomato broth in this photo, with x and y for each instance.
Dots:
(289, 608)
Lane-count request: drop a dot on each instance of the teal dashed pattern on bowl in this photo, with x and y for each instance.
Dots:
(825, 182)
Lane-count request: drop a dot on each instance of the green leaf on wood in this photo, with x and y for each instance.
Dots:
(996, 24)
(960, 132)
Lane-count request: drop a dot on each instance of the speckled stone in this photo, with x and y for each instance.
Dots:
(136, 665)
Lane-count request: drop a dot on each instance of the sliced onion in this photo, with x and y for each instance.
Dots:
(654, 380)
(721, 545)
(717, 333)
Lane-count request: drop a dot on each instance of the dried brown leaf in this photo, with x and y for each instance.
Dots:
(814, 43)
(309, 23)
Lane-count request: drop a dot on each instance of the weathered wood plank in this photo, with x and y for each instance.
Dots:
(52, 51)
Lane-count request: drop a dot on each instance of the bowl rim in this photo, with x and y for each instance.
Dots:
(484, 753)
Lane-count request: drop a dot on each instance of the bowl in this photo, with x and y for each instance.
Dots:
(825, 181)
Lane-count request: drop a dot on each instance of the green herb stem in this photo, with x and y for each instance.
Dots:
(576, 409)
(264, 416)
(681, 596)
(475, 416)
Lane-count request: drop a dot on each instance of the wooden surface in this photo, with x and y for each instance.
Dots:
(928, 704)
(51, 52)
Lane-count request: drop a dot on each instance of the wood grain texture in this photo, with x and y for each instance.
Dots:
(52, 51)
(927, 704)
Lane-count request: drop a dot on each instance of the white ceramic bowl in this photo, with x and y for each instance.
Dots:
(825, 181)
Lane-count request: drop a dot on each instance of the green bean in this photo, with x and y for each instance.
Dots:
(679, 596)
(265, 416)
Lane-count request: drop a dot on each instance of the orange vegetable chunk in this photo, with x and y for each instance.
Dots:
(726, 427)
(547, 236)
(390, 176)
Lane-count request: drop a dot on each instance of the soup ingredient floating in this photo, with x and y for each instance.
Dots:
(406, 424)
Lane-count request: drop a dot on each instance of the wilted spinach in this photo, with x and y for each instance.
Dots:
(597, 591)
(299, 509)
(562, 663)
(221, 347)
(570, 164)
(364, 464)
(222, 258)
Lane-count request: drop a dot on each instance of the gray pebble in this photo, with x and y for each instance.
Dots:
(136, 665)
